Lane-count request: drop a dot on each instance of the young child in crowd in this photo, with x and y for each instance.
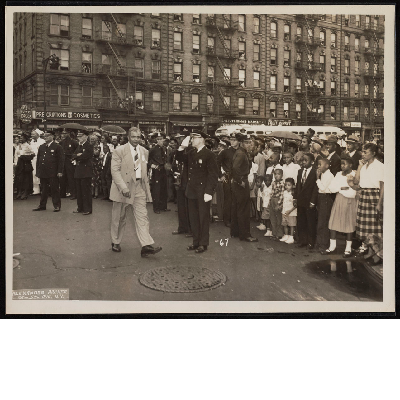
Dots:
(324, 202)
(265, 195)
(97, 167)
(276, 202)
(344, 210)
(273, 163)
(290, 169)
(306, 194)
(289, 212)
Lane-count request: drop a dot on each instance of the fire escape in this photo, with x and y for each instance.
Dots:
(374, 75)
(220, 24)
(114, 73)
(307, 68)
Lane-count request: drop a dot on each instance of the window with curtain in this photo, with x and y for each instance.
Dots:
(155, 37)
(256, 106)
(156, 101)
(87, 62)
(138, 35)
(196, 44)
(256, 52)
(59, 24)
(87, 29)
(196, 73)
(156, 69)
(195, 102)
(177, 40)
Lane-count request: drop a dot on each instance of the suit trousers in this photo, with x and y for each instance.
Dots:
(199, 217)
(171, 187)
(105, 183)
(275, 216)
(159, 189)
(54, 185)
(307, 225)
(142, 224)
(240, 217)
(183, 216)
(220, 200)
(84, 194)
(69, 171)
(227, 202)
(324, 206)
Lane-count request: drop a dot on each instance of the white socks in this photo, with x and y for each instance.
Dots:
(348, 246)
(332, 245)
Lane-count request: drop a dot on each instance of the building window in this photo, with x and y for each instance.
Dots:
(333, 40)
(121, 95)
(366, 113)
(273, 82)
(366, 89)
(177, 102)
(322, 39)
(227, 101)
(333, 64)
(105, 96)
(177, 40)
(256, 79)
(345, 112)
(210, 42)
(256, 25)
(273, 30)
(356, 113)
(59, 95)
(272, 109)
(139, 67)
(242, 22)
(241, 102)
(227, 74)
(273, 57)
(33, 21)
(334, 18)
(59, 24)
(322, 62)
(155, 14)
(196, 44)
(196, 73)
(138, 35)
(139, 102)
(310, 35)
(286, 58)
(333, 88)
(210, 103)
(210, 73)
(196, 18)
(105, 32)
(227, 43)
(120, 31)
(321, 109)
(256, 52)
(366, 67)
(87, 30)
(357, 44)
(333, 112)
(286, 32)
(298, 110)
(178, 17)
(63, 56)
(242, 77)
(357, 66)
(286, 85)
(256, 106)
(299, 32)
(178, 72)
(356, 90)
(346, 66)
(346, 19)
(358, 23)
(195, 102)
(375, 91)
(156, 69)
(298, 85)
(87, 95)
(86, 63)
(286, 110)
(366, 43)
(346, 89)
(155, 37)
(156, 101)
(242, 50)
(227, 20)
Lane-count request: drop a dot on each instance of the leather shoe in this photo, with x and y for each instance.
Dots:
(167, 209)
(115, 247)
(147, 250)
(157, 212)
(177, 232)
(189, 235)
(228, 225)
(192, 247)
(251, 239)
(72, 198)
(201, 249)
(38, 209)
(56, 209)
(87, 213)
(77, 212)
(310, 247)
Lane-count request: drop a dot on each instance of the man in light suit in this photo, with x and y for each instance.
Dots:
(130, 189)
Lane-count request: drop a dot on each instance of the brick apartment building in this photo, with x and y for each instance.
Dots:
(177, 71)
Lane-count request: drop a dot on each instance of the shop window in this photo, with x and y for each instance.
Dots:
(286, 85)
(256, 52)
(156, 38)
(139, 67)
(196, 73)
(178, 72)
(87, 28)
(273, 82)
(195, 102)
(256, 25)
(196, 18)
(256, 79)
(87, 96)
(241, 102)
(242, 22)
(256, 106)
(59, 24)
(138, 35)
(87, 63)
(177, 102)
(177, 40)
(286, 58)
(242, 50)
(272, 109)
(285, 110)
(273, 60)
(63, 56)
(59, 95)
(196, 44)
(156, 69)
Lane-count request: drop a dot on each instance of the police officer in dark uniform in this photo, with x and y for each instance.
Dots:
(69, 146)
(83, 157)
(49, 168)
(157, 160)
(240, 225)
(202, 182)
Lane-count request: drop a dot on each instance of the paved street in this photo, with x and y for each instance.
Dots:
(65, 250)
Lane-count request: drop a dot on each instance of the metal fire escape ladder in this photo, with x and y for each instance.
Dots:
(121, 35)
(221, 38)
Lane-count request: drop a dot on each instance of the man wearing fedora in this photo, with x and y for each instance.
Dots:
(201, 185)
(130, 190)
(352, 150)
(334, 158)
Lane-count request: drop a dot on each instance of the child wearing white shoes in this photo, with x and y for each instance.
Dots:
(289, 212)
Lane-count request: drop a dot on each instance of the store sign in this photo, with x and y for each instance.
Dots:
(25, 115)
(66, 115)
(244, 121)
(117, 122)
(187, 123)
(279, 122)
(152, 123)
(351, 124)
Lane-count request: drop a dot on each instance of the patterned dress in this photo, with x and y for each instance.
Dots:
(97, 167)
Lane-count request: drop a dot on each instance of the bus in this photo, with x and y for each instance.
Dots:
(302, 130)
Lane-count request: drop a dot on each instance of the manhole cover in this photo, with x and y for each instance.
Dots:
(182, 279)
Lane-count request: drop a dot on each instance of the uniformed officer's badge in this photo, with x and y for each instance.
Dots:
(52, 151)
(69, 146)
(200, 161)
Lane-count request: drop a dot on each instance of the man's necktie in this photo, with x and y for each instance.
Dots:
(303, 179)
(136, 160)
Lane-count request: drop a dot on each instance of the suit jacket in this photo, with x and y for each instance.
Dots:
(124, 174)
(224, 160)
(157, 155)
(69, 146)
(49, 161)
(202, 173)
(240, 166)
(107, 166)
(180, 165)
(335, 164)
(84, 162)
(355, 158)
(307, 193)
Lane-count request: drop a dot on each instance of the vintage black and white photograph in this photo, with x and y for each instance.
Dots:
(199, 157)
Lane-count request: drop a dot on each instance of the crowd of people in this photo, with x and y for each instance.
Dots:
(300, 192)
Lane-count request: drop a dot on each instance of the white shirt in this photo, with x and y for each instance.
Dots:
(138, 167)
(371, 176)
(290, 171)
(48, 144)
(340, 181)
(330, 155)
(200, 148)
(35, 145)
(288, 204)
(270, 171)
(324, 182)
(266, 195)
(307, 171)
(352, 153)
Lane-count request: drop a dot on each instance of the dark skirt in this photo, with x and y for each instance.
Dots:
(368, 221)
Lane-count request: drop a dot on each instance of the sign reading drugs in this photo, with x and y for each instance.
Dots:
(65, 115)
(25, 115)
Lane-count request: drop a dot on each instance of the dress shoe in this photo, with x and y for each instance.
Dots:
(310, 247)
(250, 239)
(301, 245)
(38, 209)
(147, 250)
(167, 209)
(177, 232)
(77, 212)
(201, 249)
(87, 213)
(56, 209)
(115, 247)
(327, 251)
(192, 247)
(228, 225)
(348, 254)
(72, 198)
(189, 235)
(157, 212)
(24, 198)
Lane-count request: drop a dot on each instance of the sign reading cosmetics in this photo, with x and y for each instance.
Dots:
(66, 115)
(279, 122)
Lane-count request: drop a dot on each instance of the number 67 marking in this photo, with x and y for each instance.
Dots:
(221, 242)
